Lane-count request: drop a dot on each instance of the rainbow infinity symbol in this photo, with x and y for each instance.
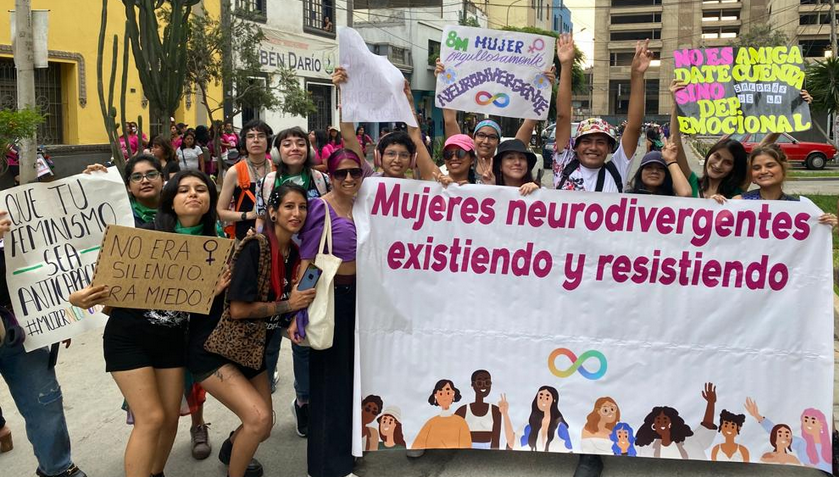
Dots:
(577, 363)
(484, 98)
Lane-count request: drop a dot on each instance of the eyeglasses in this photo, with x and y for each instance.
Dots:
(450, 153)
(402, 155)
(139, 176)
(341, 174)
(491, 137)
(256, 136)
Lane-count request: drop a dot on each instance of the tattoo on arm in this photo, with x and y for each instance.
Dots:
(217, 373)
(265, 310)
(281, 307)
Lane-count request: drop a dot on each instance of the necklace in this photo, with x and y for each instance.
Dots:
(341, 213)
(254, 170)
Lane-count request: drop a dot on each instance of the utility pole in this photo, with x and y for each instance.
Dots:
(349, 13)
(24, 54)
(833, 27)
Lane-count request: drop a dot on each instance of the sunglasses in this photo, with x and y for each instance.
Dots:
(138, 176)
(341, 174)
(450, 153)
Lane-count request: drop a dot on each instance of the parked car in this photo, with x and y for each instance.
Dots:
(549, 142)
(814, 155)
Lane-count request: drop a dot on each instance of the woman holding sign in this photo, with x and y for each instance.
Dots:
(243, 390)
(145, 349)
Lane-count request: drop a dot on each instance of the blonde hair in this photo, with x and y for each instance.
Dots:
(593, 418)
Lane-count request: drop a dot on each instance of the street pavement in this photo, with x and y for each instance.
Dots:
(99, 433)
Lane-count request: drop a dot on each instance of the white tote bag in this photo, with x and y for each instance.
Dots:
(321, 327)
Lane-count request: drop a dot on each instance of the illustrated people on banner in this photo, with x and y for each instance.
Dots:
(371, 407)
(623, 440)
(484, 419)
(390, 429)
(669, 437)
(813, 447)
(659, 174)
(145, 349)
(582, 165)
(446, 430)
(546, 430)
(730, 450)
(596, 436)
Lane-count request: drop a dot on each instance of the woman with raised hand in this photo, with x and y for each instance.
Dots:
(145, 349)
(243, 390)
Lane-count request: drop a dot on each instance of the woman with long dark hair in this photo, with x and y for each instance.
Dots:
(669, 437)
(145, 349)
(162, 149)
(546, 430)
(189, 153)
(243, 390)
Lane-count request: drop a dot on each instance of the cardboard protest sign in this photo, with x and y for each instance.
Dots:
(374, 87)
(609, 312)
(495, 72)
(149, 270)
(741, 90)
(55, 228)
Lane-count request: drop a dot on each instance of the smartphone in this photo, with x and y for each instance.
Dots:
(310, 278)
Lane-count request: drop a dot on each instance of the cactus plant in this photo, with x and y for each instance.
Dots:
(160, 60)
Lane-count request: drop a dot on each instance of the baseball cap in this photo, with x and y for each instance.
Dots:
(462, 141)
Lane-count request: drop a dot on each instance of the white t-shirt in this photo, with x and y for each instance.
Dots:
(188, 158)
(586, 179)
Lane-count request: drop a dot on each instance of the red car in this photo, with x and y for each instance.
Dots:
(814, 155)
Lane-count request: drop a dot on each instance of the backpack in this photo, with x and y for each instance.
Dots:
(244, 184)
(601, 176)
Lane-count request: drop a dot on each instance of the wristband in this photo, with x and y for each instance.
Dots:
(244, 216)
(671, 163)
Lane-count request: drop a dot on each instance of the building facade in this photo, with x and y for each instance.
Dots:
(519, 13)
(300, 35)
(66, 91)
(670, 25)
(561, 17)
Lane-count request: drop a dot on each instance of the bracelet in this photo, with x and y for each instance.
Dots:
(671, 163)
(244, 216)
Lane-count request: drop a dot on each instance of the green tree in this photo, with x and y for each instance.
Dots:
(16, 125)
(761, 34)
(823, 86)
(209, 42)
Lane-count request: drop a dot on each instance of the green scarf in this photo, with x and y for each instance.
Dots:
(196, 230)
(303, 179)
(146, 214)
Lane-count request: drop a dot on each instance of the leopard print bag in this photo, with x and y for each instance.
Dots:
(243, 341)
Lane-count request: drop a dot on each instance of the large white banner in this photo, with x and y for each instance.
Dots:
(495, 72)
(51, 250)
(593, 323)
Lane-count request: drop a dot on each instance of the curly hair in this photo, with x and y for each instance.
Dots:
(679, 431)
(375, 400)
(432, 399)
(593, 418)
(737, 419)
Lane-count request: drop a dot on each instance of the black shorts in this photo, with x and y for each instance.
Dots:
(202, 364)
(132, 342)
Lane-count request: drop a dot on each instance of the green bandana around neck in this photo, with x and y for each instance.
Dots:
(195, 230)
(146, 214)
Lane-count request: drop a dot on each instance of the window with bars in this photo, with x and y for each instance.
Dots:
(319, 17)
(48, 98)
(256, 10)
